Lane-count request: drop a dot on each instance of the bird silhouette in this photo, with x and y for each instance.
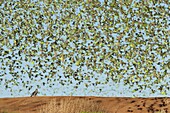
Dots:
(34, 93)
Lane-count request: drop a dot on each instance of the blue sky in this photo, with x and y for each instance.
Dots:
(109, 89)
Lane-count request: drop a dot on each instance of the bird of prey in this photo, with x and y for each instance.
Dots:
(34, 93)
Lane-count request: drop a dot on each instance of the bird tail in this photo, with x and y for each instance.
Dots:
(32, 95)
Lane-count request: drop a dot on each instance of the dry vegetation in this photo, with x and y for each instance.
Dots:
(6, 111)
(72, 106)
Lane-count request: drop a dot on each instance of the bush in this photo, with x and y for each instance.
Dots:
(72, 106)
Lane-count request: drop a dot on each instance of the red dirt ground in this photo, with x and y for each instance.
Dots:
(111, 104)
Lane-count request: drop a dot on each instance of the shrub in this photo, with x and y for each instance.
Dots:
(72, 106)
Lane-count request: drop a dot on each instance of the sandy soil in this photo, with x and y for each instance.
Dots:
(111, 104)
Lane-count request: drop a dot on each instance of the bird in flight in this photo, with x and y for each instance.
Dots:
(34, 93)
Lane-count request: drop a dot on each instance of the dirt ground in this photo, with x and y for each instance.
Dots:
(111, 104)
